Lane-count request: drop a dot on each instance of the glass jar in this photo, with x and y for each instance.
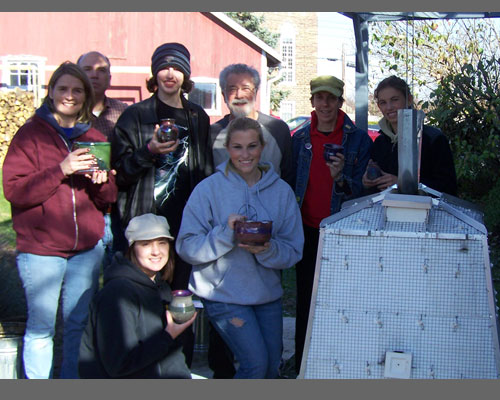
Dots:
(102, 156)
(168, 130)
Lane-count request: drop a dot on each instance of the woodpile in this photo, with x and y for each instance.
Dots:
(16, 107)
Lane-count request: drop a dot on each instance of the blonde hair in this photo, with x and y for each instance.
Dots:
(244, 124)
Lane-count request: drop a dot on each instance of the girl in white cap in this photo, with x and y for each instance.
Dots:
(129, 334)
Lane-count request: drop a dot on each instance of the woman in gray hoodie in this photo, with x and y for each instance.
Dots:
(240, 285)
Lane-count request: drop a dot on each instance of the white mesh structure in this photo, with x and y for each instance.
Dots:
(423, 290)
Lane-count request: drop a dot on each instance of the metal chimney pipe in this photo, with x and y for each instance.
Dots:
(410, 125)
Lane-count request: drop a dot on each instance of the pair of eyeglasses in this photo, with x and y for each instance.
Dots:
(244, 89)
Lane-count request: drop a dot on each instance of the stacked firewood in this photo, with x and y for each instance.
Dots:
(16, 107)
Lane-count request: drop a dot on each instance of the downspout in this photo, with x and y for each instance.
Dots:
(361, 97)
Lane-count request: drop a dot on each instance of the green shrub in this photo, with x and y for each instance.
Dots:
(466, 106)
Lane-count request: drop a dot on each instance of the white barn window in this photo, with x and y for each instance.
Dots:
(25, 72)
(207, 94)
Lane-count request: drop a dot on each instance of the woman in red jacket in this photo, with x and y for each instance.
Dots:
(57, 216)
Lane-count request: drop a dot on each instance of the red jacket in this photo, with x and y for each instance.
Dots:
(52, 214)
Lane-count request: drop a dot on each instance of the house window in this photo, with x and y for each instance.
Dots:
(206, 94)
(287, 110)
(24, 72)
(23, 75)
(288, 57)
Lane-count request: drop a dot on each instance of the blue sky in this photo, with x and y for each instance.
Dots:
(335, 30)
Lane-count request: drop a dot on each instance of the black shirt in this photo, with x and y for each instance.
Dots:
(172, 185)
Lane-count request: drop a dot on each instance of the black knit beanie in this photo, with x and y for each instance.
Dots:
(171, 54)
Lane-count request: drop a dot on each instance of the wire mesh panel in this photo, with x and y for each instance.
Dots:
(424, 296)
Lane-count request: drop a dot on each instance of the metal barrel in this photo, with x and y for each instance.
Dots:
(201, 330)
(11, 344)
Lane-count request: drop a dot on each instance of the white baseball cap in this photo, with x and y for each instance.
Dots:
(147, 227)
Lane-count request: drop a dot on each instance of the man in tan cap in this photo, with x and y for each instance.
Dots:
(321, 186)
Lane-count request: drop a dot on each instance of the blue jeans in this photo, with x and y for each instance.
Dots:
(254, 334)
(43, 278)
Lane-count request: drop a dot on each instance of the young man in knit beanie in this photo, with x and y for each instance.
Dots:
(158, 177)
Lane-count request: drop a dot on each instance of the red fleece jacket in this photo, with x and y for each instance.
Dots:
(52, 214)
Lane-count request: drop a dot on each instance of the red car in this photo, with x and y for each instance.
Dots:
(373, 131)
(297, 123)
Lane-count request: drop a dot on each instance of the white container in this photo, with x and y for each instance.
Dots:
(11, 344)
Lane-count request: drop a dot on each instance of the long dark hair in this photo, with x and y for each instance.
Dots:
(187, 84)
(167, 272)
(69, 68)
(396, 83)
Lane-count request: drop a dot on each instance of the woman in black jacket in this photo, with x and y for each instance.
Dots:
(437, 169)
(129, 333)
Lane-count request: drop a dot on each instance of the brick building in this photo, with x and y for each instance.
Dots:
(298, 47)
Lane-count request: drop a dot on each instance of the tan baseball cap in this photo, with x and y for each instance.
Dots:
(147, 227)
(327, 83)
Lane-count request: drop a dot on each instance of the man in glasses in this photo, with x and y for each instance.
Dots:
(239, 85)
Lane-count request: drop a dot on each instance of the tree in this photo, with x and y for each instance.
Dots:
(425, 51)
(466, 106)
(456, 64)
(253, 24)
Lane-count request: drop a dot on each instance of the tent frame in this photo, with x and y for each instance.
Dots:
(360, 22)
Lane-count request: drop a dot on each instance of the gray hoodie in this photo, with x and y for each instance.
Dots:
(222, 271)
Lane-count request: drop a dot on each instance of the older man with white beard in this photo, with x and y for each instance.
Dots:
(239, 85)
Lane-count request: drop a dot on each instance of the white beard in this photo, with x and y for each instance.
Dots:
(241, 111)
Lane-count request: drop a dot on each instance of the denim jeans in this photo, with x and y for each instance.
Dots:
(43, 278)
(254, 333)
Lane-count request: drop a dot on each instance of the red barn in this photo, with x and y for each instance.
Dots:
(34, 44)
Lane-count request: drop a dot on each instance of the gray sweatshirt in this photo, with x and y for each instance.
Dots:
(222, 271)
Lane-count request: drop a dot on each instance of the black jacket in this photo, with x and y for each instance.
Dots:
(437, 169)
(125, 335)
(135, 164)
